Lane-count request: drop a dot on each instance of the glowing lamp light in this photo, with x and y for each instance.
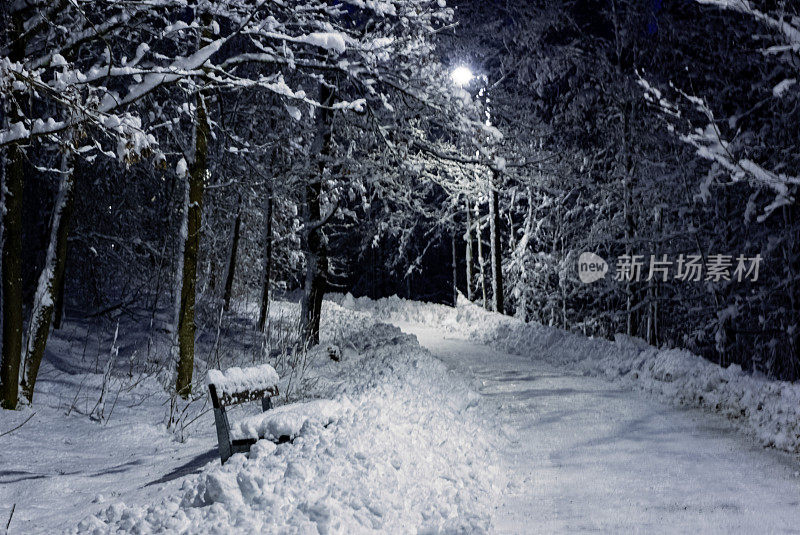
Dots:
(461, 76)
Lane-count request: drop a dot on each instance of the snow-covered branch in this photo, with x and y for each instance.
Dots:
(710, 144)
(790, 31)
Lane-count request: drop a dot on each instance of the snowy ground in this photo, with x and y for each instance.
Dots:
(408, 448)
(765, 409)
(597, 457)
(497, 426)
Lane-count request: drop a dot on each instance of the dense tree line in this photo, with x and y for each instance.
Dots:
(171, 159)
(663, 128)
(168, 155)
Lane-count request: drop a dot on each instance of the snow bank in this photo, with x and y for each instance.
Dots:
(337, 323)
(236, 379)
(407, 449)
(768, 409)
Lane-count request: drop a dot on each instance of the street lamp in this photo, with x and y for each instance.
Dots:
(461, 76)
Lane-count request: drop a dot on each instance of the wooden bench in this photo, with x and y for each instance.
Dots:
(233, 387)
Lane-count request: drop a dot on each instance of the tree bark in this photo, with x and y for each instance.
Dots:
(496, 244)
(794, 289)
(237, 225)
(455, 265)
(653, 287)
(630, 222)
(481, 262)
(12, 236)
(315, 247)
(468, 252)
(520, 252)
(264, 313)
(186, 325)
(61, 274)
(50, 277)
(12, 278)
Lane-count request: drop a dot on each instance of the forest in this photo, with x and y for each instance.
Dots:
(160, 155)
(175, 171)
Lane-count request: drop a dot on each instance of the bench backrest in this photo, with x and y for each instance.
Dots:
(240, 385)
(234, 386)
(226, 399)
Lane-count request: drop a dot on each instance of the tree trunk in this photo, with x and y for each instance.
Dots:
(512, 237)
(12, 278)
(184, 214)
(630, 223)
(191, 248)
(319, 288)
(653, 287)
(264, 314)
(630, 327)
(49, 279)
(237, 225)
(794, 288)
(481, 268)
(520, 252)
(315, 247)
(61, 274)
(12, 239)
(455, 265)
(468, 252)
(496, 244)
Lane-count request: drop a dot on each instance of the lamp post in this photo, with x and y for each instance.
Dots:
(462, 76)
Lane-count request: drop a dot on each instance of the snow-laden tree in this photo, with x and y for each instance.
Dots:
(612, 183)
(748, 134)
(125, 81)
(59, 78)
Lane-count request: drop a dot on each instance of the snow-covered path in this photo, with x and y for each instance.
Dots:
(594, 457)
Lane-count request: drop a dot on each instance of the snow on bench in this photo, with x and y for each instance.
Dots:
(235, 386)
(284, 423)
(235, 383)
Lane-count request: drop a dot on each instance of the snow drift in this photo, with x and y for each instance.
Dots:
(406, 449)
